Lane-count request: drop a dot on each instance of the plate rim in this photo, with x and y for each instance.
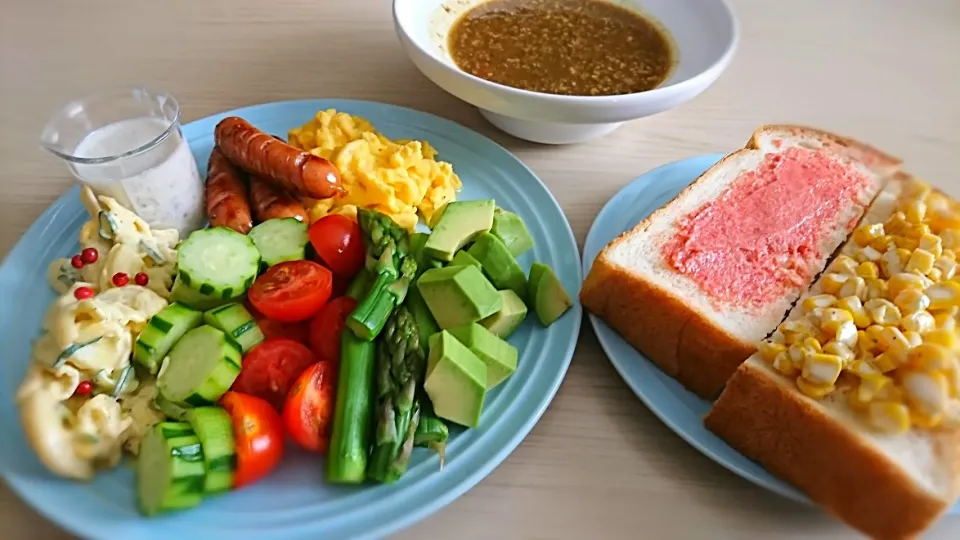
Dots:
(605, 336)
(22, 486)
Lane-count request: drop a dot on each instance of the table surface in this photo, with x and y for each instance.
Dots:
(598, 464)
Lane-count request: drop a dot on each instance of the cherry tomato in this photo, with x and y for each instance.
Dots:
(270, 368)
(291, 291)
(308, 412)
(275, 329)
(338, 240)
(258, 430)
(340, 286)
(326, 327)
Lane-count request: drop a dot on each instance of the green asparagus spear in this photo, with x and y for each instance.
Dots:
(400, 370)
(389, 259)
(349, 442)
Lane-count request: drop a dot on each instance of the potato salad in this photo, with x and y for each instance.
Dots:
(81, 403)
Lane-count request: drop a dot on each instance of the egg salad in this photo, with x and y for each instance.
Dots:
(399, 178)
(80, 403)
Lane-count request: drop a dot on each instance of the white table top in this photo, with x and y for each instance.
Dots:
(598, 465)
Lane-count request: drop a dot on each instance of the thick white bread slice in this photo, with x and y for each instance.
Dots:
(664, 314)
(889, 487)
(773, 137)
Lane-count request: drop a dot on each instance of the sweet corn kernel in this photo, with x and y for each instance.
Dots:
(915, 211)
(894, 344)
(813, 390)
(923, 421)
(884, 363)
(889, 418)
(892, 392)
(890, 263)
(920, 321)
(853, 305)
(874, 331)
(769, 350)
(919, 190)
(920, 261)
(946, 319)
(866, 343)
(839, 349)
(929, 356)
(854, 286)
(944, 338)
(935, 275)
(916, 232)
(868, 253)
(927, 391)
(785, 366)
(904, 254)
(913, 338)
(950, 236)
(876, 288)
(943, 295)
(818, 301)
(896, 223)
(882, 311)
(902, 280)
(831, 318)
(811, 344)
(946, 266)
(822, 369)
(906, 243)
(863, 367)
(870, 386)
(777, 337)
(844, 265)
(932, 243)
(948, 253)
(797, 352)
(882, 243)
(831, 283)
(846, 333)
(864, 234)
(868, 270)
(939, 225)
(911, 300)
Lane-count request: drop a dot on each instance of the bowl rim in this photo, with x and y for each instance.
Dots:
(659, 92)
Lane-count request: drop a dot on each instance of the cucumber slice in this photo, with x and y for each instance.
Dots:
(107, 225)
(280, 240)
(169, 408)
(214, 428)
(218, 262)
(163, 330)
(200, 368)
(170, 471)
(237, 323)
(192, 298)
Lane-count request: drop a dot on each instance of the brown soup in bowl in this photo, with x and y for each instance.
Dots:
(568, 47)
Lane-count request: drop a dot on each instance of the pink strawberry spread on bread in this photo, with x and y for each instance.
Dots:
(761, 236)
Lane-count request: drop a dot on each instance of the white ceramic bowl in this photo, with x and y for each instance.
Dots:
(705, 34)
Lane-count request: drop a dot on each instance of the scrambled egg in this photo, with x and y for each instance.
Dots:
(399, 178)
(91, 340)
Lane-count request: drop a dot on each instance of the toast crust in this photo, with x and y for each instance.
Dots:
(870, 156)
(795, 439)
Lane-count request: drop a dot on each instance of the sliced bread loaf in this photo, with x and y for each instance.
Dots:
(698, 283)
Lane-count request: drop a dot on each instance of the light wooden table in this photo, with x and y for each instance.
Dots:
(598, 465)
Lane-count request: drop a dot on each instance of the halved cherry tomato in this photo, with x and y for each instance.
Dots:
(308, 412)
(258, 431)
(291, 291)
(270, 369)
(338, 240)
(276, 329)
(326, 327)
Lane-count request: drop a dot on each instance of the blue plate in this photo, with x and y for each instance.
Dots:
(293, 502)
(681, 410)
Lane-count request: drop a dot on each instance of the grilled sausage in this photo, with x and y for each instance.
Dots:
(300, 173)
(270, 201)
(226, 195)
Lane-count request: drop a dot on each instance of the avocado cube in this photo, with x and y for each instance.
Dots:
(458, 295)
(506, 321)
(499, 356)
(426, 325)
(462, 258)
(498, 264)
(456, 380)
(509, 228)
(459, 224)
(550, 300)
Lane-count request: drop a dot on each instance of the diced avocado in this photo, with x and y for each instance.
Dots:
(499, 356)
(421, 313)
(550, 300)
(509, 228)
(460, 223)
(456, 380)
(458, 295)
(435, 218)
(417, 241)
(506, 321)
(462, 258)
(498, 264)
